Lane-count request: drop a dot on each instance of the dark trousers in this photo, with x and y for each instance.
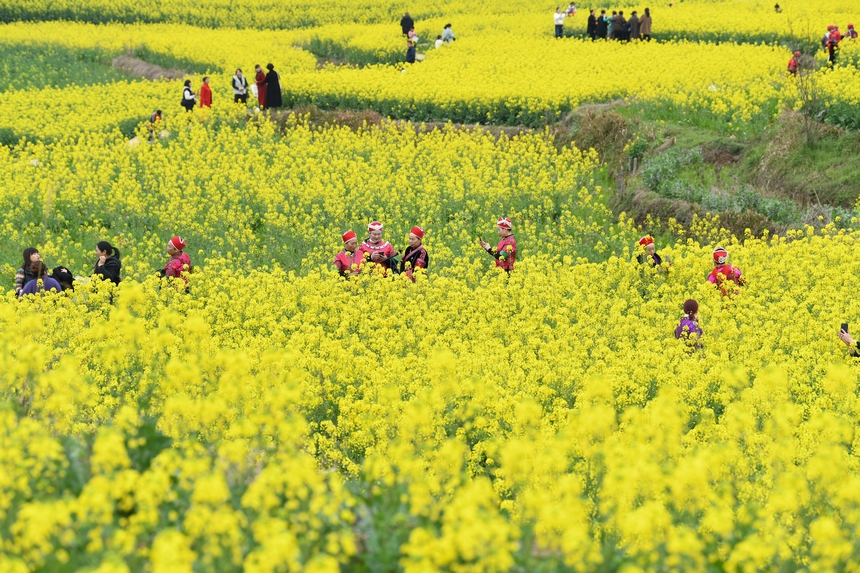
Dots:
(646, 37)
(559, 31)
(240, 98)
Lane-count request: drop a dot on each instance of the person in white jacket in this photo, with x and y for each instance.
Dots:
(559, 17)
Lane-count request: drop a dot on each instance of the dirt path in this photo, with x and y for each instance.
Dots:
(137, 68)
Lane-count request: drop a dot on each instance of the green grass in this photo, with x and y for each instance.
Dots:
(36, 66)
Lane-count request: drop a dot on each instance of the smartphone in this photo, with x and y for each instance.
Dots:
(845, 327)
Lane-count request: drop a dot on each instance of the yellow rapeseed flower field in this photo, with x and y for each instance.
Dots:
(277, 417)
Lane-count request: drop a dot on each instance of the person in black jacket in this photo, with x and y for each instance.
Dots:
(108, 265)
(591, 29)
(602, 25)
(406, 23)
(410, 52)
(273, 88)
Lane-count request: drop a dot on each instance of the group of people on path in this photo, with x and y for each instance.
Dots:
(33, 276)
(381, 255)
(266, 87)
(407, 27)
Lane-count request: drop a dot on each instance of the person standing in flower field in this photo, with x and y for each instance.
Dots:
(410, 51)
(415, 256)
(188, 97)
(792, 63)
(724, 273)
(260, 79)
(108, 264)
(448, 34)
(205, 93)
(851, 33)
(348, 262)
(505, 252)
(650, 255)
(558, 18)
(645, 25)
(406, 23)
(273, 88)
(591, 27)
(240, 87)
(377, 251)
(179, 263)
(689, 324)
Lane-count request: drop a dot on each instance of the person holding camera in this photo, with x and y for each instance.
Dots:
(845, 337)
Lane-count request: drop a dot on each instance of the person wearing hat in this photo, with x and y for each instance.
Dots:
(415, 255)
(377, 251)
(792, 63)
(724, 272)
(650, 255)
(833, 39)
(179, 262)
(851, 33)
(505, 252)
(348, 262)
(689, 324)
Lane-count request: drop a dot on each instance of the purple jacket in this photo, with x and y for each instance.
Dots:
(32, 286)
(687, 327)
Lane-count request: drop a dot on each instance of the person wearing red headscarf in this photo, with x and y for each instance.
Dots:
(377, 251)
(851, 33)
(650, 255)
(348, 262)
(180, 263)
(792, 63)
(724, 273)
(505, 252)
(415, 255)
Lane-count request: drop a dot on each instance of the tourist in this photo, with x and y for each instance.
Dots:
(645, 25)
(108, 265)
(724, 273)
(558, 18)
(591, 27)
(189, 100)
(448, 34)
(41, 281)
(260, 79)
(273, 88)
(25, 274)
(240, 88)
(406, 23)
(689, 324)
(205, 93)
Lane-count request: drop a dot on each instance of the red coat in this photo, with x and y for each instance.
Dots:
(366, 249)
(506, 253)
(260, 78)
(205, 96)
(176, 265)
(345, 261)
(792, 66)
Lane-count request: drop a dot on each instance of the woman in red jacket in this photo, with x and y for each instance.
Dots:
(205, 94)
(260, 78)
